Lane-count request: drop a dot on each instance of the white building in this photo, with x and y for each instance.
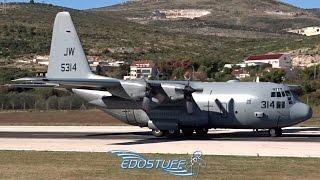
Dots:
(308, 31)
(230, 66)
(116, 63)
(42, 60)
(141, 69)
(276, 60)
(240, 73)
(181, 13)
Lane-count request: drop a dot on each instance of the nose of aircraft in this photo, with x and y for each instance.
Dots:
(300, 112)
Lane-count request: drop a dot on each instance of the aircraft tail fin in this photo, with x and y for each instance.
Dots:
(67, 58)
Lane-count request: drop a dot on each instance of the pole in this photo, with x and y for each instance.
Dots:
(315, 72)
(192, 72)
(4, 7)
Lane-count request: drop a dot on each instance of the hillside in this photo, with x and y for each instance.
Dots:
(108, 33)
(259, 17)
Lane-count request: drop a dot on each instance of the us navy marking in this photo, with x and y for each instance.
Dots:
(69, 51)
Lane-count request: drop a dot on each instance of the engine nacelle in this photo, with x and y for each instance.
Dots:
(134, 117)
(92, 96)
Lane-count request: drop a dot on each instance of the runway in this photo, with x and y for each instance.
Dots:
(295, 142)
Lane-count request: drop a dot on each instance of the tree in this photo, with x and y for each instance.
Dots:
(178, 73)
(275, 76)
(31, 1)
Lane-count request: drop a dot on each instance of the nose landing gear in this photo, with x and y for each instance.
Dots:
(168, 133)
(275, 132)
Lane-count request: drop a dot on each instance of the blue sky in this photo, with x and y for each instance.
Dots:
(305, 3)
(86, 4)
(76, 4)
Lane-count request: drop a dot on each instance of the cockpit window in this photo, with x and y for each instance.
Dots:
(288, 93)
(278, 94)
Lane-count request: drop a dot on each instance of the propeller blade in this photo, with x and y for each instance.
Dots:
(189, 105)
(146, 104)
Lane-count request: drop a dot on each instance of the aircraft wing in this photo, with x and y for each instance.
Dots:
(96, 84)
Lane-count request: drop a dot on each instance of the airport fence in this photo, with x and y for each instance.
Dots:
(24, 101)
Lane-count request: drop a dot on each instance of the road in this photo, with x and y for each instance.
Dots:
(295, 142)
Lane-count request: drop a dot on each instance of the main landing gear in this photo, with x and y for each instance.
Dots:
(187, 132)
(158, 133)
(275, 132)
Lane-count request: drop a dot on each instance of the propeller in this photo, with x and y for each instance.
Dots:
(188, 90)
(187, 94)
(158, 93)
(147, 98)
(153, 96)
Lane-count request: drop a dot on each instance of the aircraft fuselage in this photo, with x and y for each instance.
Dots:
(219, 105)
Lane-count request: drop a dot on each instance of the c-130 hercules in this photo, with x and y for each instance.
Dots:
(167, 107)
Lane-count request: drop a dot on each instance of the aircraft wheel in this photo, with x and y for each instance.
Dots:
(173, 133)
(158, 133)
(278, 132)
(187, 131)
(272, 132)
(275, 132)
(202, 131)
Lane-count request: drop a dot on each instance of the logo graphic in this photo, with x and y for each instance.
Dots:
(177, 167)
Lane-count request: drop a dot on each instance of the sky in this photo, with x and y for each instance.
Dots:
(76, 4)
(305, 3)
(87, 4)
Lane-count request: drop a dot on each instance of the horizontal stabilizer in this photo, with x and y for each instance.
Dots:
(35, 85)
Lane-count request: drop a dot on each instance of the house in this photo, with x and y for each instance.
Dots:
(308, 31)
(276, 60)
(41, 60)
(141, 69)
(240, 73)
(116, 63)
(230, 66)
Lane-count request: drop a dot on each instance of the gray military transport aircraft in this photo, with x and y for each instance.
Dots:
(167, 107)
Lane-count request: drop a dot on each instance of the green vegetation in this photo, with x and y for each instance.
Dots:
(92, 117)
(26, 30)
(73, 165)
(41, 99)
(9, 74)
(106, 32)
(232, 14)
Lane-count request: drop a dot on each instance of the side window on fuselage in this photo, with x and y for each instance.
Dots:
(281, 105)
(278, 105)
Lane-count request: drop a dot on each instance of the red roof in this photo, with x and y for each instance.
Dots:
(264, 56)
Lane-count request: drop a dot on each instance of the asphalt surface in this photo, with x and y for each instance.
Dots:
(296, 141)
(293, 134)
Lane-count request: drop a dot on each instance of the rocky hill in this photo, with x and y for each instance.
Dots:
(246, 18)
(135, 30)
